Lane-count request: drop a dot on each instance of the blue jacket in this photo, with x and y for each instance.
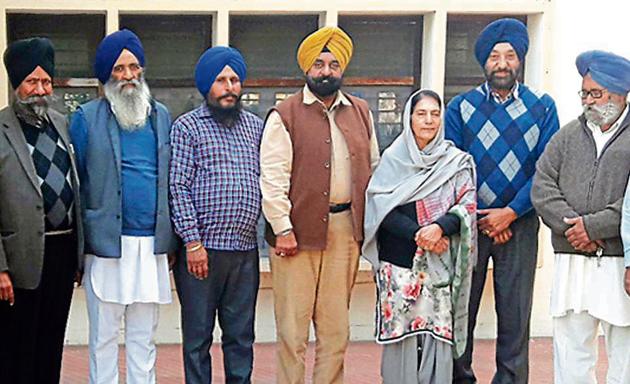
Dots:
(95, 136)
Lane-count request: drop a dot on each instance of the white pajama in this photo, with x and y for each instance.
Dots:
(129, 288)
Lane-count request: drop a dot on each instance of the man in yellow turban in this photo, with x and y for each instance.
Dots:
(317, 154)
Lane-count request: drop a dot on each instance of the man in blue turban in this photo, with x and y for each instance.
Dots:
(579, 191)
(505, 126)
(121, 145)
(215, 207)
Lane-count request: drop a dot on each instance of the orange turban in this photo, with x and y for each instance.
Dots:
(334, 38)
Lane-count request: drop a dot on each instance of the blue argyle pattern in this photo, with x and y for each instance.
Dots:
(505, 141)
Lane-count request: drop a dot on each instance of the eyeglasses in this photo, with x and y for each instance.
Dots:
(595, 93)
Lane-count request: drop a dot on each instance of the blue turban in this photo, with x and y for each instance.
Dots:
(110, 49)
(502, 31)
(212, 62)
(607, 69)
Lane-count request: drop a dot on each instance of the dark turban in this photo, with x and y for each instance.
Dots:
(109, 51)
(23, 56)
(502, 31)
(607, 69)
(212, 62)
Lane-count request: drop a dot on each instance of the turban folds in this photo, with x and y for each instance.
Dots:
(332, 38)
(212, 62)
(110, 49)
(23, 56)
(607, 69)
(505, 30)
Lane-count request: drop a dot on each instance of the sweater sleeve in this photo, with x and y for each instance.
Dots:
(521, 203)
(604, 224)
(546, 195)
(453, 123)
(399, 224)
(625, 226)
(449, 224)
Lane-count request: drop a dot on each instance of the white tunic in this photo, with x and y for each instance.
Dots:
(138, 276)
(579, 284)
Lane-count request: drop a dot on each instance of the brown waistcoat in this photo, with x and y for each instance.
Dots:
(309, 129)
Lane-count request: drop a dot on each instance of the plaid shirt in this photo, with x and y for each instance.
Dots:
(214, 172)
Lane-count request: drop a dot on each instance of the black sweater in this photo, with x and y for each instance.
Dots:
(396, 235)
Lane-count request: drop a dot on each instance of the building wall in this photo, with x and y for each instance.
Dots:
(541, 72)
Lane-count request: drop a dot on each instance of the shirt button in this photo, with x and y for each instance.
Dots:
(327, 141)
(327, 165)
(118, 217)
(325, 219)
(325, 193)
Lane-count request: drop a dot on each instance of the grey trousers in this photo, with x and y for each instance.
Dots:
(514, 268)
(417, 360)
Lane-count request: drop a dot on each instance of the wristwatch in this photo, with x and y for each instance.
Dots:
(285, 232)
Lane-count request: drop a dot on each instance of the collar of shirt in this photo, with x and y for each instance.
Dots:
(513, 93)
(310, 98)
(596, 129)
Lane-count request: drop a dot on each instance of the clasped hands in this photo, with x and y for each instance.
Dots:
(431, 238)
(578, 237)
(496, 223)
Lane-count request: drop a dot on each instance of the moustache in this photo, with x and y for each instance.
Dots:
(229, 94)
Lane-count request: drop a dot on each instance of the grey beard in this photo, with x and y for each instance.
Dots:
(130, 106)
(32, 109)
(602, 115)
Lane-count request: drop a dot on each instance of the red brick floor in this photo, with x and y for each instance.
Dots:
(362, 363)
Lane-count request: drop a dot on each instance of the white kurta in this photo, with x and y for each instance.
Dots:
(579, 284)
(138, 276)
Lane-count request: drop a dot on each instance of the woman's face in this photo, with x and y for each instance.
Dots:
(426, 118)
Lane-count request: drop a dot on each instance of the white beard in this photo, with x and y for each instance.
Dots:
(131, 106)
(602, 115)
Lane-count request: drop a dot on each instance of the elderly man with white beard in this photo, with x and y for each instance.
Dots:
(122, 148)
(578, 191)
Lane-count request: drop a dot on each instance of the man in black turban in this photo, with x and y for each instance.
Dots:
(39, 222)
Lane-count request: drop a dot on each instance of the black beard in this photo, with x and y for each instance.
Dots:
(227, 116)
(324, 86)
(505, 83)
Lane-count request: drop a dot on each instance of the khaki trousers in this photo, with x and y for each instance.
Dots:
(315, 285)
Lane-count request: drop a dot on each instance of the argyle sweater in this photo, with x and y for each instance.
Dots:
(505, 140)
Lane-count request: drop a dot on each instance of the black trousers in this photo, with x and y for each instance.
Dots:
(32, 330)
(514, 266)
(229, 292)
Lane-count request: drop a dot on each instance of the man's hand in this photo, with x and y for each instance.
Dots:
(286, 245)
(495, 220)
(626, 281)
(428, 236)
(503, 236)
(197, 260)
(172, 258)
(441, 246)
(576, 234)
(78, 277)
(6, 288)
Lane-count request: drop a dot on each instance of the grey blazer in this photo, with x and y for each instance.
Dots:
(22, 204)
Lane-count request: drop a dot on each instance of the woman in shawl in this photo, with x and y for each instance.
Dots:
(419, 223)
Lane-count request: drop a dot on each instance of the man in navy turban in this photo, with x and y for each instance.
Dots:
(121, 144)
(579, 193)
(215, 207)
(40, 251)
(505, 126)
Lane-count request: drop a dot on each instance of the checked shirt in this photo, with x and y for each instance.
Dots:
(505, 140)
(214, 180)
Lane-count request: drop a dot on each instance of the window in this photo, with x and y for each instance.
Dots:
(269, 45)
